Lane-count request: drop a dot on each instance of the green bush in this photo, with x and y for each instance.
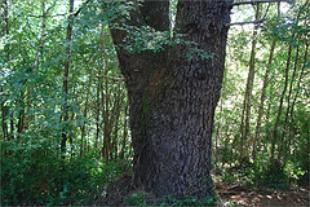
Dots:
(189, 201)
(266, 173)
(136, 199)
(32, 173)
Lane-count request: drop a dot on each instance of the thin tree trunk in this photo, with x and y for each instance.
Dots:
(103, 150)
(12, 125)
(98, 106)
(278, 117)
(302, 73)
(36, 64)
(107, 116)
(247, 104)
(280, 108)
(85, 115)
(267, 131)
(26, 97)
(67, 65)
(105, 100)
(262, 99)
(298, 88)
(284, 147)
(117, 113)
(5, 109)
(217, 133)
(125, 132)
(111, 122)
(21, 115)
(71, 133)
(219, 127)
(293, 79)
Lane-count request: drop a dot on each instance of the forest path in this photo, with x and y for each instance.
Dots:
(252, 197)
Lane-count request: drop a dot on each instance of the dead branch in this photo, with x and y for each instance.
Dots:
(245, 2)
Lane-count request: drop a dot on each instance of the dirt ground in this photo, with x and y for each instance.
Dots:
(231, 195)
(246, 197)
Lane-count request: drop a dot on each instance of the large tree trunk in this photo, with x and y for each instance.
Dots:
(172, 99)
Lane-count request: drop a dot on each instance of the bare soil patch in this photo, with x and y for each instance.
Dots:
(260, 197)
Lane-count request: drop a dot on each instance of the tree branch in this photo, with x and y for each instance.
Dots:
(75, 14)
(260, 21)
(245, 2)
(81, 7)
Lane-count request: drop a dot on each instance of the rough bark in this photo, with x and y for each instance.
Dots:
(172, 99)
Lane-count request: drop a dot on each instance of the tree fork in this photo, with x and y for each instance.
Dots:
(172, 99)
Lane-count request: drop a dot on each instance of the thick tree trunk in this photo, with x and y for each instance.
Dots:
(172, 99)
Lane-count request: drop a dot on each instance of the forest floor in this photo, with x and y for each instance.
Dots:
(234, 195)
(264, 197)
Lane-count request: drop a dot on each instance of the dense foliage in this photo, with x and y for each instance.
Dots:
(262, 127)
(64, 113)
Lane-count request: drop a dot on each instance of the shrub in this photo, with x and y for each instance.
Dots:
(32, 173)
